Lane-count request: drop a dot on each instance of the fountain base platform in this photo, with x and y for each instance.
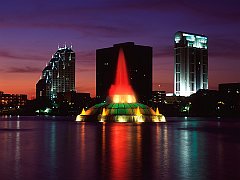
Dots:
(120, 112)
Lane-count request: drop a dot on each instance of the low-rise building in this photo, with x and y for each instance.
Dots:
(12, 101)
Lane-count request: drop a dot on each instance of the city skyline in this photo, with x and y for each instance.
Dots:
(30, 35)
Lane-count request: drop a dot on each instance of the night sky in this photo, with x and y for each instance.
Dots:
(31, 30)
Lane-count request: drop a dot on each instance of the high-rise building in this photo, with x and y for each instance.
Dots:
(190, 63)
(139, 67)
(58, 75)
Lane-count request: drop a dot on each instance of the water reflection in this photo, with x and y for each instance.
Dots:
(133, 151)
(52, 148)
(119, 147)
(10, 147)
(82, 144)
(17, 152)
(66, 150)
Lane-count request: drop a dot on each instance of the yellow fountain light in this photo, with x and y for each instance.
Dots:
(157, 112)
(138, 112)
(138, 116)
(131, 99)
(116, 98)
(159, 118)
(121, 119)
(104, 112)
(81, 116)
(78, 118)
(124, 98)
(163, 119)
(83, 112)
(102, 117)
(139, 119)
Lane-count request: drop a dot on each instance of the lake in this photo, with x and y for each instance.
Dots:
(45, 148)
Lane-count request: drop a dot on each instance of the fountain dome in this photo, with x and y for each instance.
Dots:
(121, 112)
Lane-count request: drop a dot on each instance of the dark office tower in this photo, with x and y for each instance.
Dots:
(42, 89)
(139, 66)
(190, 63)
(59, 74)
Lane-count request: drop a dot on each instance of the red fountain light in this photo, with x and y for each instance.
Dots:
(121, 90)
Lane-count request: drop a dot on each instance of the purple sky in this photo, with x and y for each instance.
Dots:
(31, 30)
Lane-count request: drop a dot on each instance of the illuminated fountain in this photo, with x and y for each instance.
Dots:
(121, 104)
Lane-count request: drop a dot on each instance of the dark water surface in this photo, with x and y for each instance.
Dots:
(42, 148)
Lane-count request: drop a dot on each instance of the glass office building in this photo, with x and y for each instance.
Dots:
(190, 63)
(59, 74)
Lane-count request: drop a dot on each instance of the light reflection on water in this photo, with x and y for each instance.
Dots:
(35, 149)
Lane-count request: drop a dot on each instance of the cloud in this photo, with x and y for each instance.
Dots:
(19, 56)
(82, 70)
(96, 13)
(85, 60)
(84, 56)
(117, 19)
(89, 88)
(163, 58)
(163, 51)
(154, 5)
(88, 19)
(224, 10)
(89, 29)
(164, 86)
(25, 69)
(106, 30)
(222, 47)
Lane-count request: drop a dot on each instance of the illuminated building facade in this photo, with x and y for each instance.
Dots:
(190, 63)
(158, 97)
(13, 101)
(139, 67)
(58, 75)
